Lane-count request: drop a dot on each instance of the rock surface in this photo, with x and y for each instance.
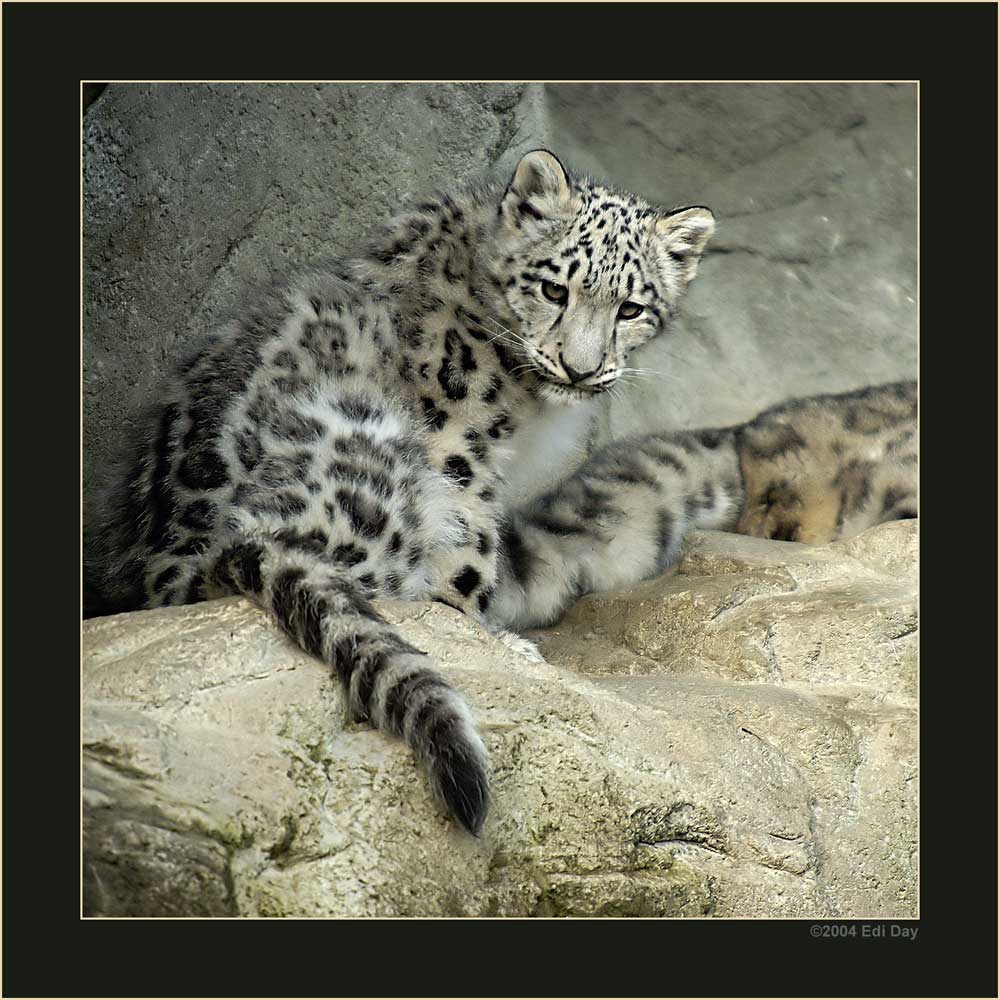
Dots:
(737, 737)
(193, 192)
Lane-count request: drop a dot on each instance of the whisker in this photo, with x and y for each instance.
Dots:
(513, 334)
(640, 373)
(504, 340)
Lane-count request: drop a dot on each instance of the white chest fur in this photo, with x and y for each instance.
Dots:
(544, 449)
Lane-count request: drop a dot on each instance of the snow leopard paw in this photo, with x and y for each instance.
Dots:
(520, 645)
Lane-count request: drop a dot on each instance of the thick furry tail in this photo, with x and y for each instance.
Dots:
(387, 681)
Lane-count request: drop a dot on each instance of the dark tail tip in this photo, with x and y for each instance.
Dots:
(457, 762)
(463, 785)
(418, 704)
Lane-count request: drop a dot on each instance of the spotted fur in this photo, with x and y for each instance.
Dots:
(398, 426)
(830, 466)
(810, 470)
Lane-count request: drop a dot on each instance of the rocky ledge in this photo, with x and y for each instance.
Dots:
(735, 738)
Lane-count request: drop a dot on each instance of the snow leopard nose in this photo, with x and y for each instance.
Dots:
(572, 374)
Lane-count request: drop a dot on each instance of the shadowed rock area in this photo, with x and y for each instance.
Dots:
(735, 738)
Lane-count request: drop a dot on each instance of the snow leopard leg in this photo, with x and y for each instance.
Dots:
(620, 518)
(463, 573)
(387, 680)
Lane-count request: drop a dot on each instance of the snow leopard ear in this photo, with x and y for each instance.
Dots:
(683, 235)
(539, 188)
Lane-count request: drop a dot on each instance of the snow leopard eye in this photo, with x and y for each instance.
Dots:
(554, 292)
(630, 310)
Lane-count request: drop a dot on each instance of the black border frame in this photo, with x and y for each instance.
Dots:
(47, 50)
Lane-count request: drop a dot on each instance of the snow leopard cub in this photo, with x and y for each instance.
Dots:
(360, 431)
(354, 434)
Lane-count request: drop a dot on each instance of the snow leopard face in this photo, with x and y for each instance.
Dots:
(588, 273)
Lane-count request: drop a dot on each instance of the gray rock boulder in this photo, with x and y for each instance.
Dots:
(737, 737)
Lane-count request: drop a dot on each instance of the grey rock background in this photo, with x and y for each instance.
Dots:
(193, 192)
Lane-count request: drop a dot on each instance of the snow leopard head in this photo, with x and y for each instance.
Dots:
(588, 273)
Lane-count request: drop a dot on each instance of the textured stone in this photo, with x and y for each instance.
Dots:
(840, 615)
(679, 755)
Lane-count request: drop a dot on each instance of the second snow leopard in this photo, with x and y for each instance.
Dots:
(361, 431)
